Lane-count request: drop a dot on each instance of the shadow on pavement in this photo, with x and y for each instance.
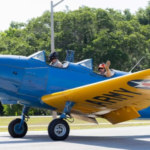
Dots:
(141, 142)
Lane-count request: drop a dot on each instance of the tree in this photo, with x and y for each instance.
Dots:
(142, 17)
(128, 14)
(13, 110)
(17, 25)
(1, 109)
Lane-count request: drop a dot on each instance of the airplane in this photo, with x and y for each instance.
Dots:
(75, 91)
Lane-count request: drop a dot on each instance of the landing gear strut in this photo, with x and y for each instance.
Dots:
(18, 127)
(59, 129)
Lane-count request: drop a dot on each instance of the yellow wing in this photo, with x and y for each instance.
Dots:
(116, 99)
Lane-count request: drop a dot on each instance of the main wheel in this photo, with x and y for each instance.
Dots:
(58, 130)
(14, 131)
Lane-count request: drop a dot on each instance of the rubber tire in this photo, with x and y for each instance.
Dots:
(51, 132)
(11, 129)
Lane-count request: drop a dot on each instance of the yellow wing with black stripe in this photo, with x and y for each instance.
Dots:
(116, 99)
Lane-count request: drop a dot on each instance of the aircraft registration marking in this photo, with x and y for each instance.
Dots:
(112, 97)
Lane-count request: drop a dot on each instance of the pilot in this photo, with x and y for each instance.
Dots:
(53, 59)
(104, 69)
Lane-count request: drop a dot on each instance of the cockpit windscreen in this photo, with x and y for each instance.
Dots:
(38, 56)
(86, 63)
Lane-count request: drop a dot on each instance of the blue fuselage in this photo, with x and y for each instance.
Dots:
(24, 80)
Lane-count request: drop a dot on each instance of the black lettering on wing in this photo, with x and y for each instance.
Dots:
(127, 91)
(97, 103)
(117, 95)
(105, 99)
(112, 97)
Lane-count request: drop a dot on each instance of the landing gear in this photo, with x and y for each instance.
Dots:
(18, 127)
(14, 130)
(58, 130)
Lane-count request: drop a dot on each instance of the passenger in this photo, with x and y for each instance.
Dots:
(53, 59)
(104, 69)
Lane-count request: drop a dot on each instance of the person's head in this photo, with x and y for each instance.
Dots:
(53, 57)
(101, 68)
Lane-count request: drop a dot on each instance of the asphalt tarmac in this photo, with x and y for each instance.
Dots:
(125, 138)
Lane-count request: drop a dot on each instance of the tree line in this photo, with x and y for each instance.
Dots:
(100, 34)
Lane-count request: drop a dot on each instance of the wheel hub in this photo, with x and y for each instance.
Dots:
(16, 129)
(60, 130)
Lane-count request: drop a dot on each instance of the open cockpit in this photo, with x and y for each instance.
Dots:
(86, 65)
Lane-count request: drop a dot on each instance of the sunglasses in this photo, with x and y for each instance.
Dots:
(100, 68)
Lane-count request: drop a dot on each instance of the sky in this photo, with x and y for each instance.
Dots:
(23, 10)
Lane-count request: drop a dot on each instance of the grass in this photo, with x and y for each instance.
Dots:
(46, 120)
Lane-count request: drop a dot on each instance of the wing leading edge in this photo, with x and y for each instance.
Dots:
(116, 100)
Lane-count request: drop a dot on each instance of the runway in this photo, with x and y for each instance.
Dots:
(89, 124)
(124, 138)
